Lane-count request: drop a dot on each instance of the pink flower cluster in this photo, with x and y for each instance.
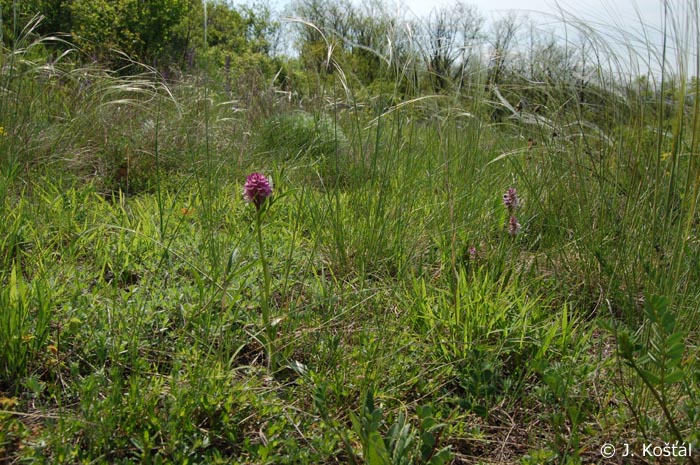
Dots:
(511, 201)
(513, 226)
(257, 189)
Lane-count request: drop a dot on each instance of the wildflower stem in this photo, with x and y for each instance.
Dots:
(265, 301)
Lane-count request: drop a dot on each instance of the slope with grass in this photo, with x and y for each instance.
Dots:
(414, 313)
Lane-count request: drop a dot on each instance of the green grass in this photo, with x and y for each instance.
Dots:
(131, 326)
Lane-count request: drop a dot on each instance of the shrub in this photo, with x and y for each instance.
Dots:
(140, 29)
(298, 134)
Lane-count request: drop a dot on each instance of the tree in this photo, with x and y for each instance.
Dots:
(321, 27)
(14, 15)
(470, 32)
(370, 32)
(141, 29)
(504, 32)
(450, 36)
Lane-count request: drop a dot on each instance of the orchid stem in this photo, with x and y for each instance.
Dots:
(265, 301)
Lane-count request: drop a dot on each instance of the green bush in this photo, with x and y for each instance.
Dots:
(139, 29)
(301, 134)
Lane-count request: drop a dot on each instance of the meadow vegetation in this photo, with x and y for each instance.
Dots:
(482, 244)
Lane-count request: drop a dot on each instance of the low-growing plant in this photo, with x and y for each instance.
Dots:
(398, 444)
(27, 313)
(656, 355)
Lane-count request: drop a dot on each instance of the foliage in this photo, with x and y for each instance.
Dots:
(658, 361)
(301, 134)
(16, 14)
(24, 326)
(139, 29)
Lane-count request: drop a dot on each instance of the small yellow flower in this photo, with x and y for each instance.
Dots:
(53, 349)
(8, 402)
(665, 156)
(2, 131)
